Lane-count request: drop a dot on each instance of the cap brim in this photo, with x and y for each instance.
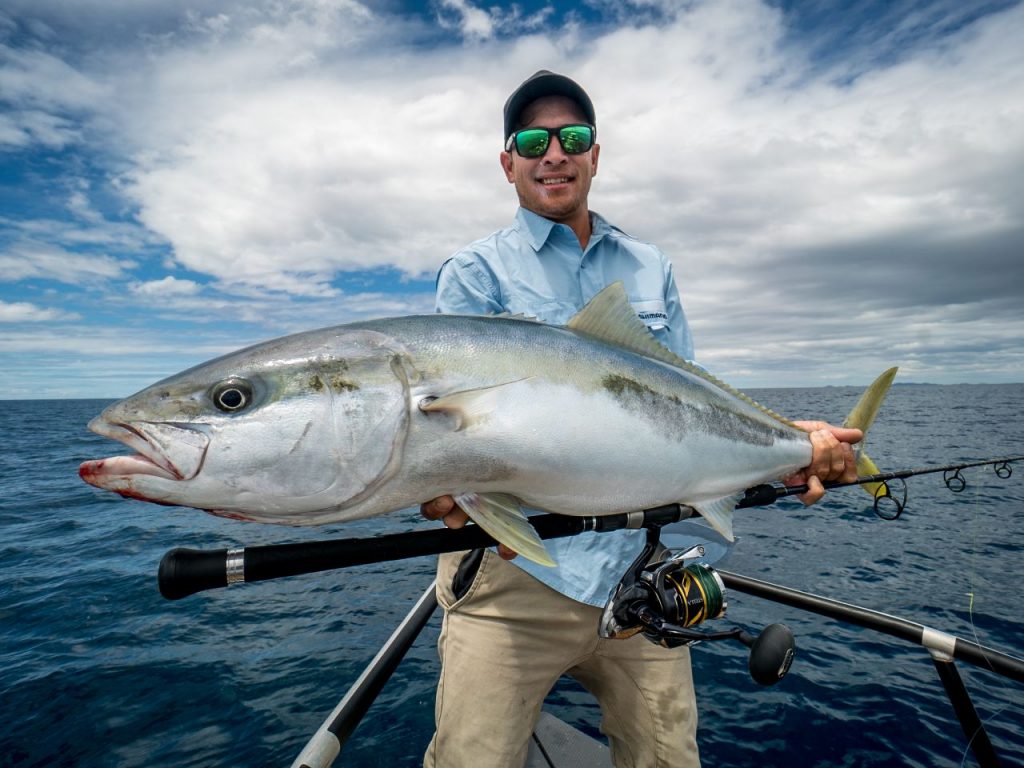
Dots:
(540, 85)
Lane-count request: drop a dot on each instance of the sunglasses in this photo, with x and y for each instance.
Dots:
(534, 142)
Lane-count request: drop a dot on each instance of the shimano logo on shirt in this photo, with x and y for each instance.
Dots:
(653, 313)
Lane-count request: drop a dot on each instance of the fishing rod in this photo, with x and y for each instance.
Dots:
(186, 571)
(763, 495)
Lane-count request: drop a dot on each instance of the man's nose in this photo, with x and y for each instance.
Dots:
(555, 153)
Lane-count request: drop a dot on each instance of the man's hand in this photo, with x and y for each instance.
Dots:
(832, 458)
(445, 509)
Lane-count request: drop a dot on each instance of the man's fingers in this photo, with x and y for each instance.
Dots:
(849, 464)
(815, 490)
(823, 459)
(437, 508)
(455, 519)
(845, 434)
(832, 458)
(507, 554)
(445, 509)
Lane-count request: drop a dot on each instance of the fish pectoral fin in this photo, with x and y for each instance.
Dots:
(470, 405)
(501, 516)
(718, 513)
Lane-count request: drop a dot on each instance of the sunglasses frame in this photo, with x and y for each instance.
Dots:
(513, 140)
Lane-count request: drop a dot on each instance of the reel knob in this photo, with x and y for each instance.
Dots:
(771, 653)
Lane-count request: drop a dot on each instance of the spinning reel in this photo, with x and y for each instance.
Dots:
(665, 600)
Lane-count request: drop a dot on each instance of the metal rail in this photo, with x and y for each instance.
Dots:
(327, 743)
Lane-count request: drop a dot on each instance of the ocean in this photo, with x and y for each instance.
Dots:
(97, 669)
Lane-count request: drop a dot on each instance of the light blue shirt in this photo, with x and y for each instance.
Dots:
(536, 267)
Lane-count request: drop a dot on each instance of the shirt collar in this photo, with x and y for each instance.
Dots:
(536, 229)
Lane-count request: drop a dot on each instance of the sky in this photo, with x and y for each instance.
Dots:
(839, 185)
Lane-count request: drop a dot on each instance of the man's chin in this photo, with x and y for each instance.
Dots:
(555, 209)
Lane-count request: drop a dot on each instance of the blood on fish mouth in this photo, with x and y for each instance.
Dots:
(165, 450)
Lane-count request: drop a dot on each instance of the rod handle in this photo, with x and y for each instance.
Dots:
(185, 571)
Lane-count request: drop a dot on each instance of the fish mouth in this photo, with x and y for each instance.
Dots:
(165, 450)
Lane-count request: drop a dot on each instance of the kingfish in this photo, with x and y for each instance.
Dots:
(502, 412)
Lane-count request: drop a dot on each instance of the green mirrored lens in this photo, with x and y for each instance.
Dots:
(576, 139)
(532, 143)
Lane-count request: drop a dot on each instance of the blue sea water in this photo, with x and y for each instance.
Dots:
(97, 669)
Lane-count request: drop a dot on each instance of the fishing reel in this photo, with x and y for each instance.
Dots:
(666, 599)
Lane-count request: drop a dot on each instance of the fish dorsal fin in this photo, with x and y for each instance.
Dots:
(609, 317)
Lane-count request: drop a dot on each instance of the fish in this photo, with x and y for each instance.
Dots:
(502, 412)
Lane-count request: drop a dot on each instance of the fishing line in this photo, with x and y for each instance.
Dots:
(956, 482)
(972, 570)
(981, 729)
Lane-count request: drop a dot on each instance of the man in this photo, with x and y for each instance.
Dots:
(511, 629)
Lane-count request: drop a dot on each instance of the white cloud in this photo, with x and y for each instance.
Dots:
(167, 286)
(476, 25)
(20, 129)
(24, 312)
(26, 260)
(43, 94)
(307, 177)
(35, 77)
(472, 22)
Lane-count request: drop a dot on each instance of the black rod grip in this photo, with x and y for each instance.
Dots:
(184, 571)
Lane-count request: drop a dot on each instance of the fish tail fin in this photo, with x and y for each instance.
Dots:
(862, 417)
(865, 466)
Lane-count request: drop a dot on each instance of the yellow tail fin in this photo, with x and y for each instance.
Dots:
(862, 417)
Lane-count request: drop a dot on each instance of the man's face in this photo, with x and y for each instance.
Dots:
(554, 185)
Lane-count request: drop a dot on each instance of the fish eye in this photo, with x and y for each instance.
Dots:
(232, 395)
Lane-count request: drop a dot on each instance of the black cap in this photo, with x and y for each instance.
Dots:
(540, 84)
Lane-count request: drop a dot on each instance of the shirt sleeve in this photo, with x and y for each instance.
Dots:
(464, 288)
(680, 339)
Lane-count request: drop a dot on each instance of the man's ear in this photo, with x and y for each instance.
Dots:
(594, 152)
(507, 166)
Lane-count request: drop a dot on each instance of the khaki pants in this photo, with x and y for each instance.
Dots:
(506, 642)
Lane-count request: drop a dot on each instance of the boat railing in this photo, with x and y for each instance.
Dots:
(326, 744)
